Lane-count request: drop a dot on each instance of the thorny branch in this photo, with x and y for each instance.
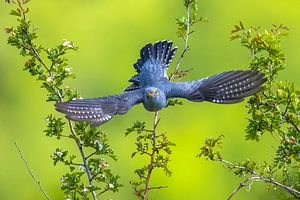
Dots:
(155, 123)
(255, 175)
(153, 153)
(186, 44)
(30, 172)
(59, 95)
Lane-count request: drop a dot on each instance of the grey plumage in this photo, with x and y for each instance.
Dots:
(152, 87)
(99, 110)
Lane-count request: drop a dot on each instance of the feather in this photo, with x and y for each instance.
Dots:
(224, 88)
(99, 110)
(161, 52)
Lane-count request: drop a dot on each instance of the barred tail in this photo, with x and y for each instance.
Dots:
(230, 87)
(161, 51)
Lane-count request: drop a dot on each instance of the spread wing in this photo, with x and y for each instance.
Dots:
(99, 110)
(224, 88)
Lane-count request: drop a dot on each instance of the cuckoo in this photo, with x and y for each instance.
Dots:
(152, 87)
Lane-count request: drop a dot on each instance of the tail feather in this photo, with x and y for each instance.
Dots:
(230, 87)
(161, 51)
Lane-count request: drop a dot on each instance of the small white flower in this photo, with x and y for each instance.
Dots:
(81, 168)
(68, 44)
(85, 189)
(49, 79)
(102, 176)
(63, 179)
(111, 186)
(100, 144)
(103, 164)
(59, 154)
(68, 69)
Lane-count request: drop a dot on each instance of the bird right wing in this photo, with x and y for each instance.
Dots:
(99, 110)
(224, 88)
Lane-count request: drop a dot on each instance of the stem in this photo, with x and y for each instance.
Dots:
(31, 173)
(84, 159)
(186, 44)
(59, 95)
(242, 184)
(153, 153)
(256, 175)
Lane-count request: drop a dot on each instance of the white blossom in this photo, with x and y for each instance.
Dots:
(59, 154)
(111, 186)
(68, 44)
(100, 144)
(68, 69)
(63, 179)
(81, 168)
(49, 79)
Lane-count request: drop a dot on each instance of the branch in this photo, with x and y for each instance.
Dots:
(157, 187)
(255, 175)
(59, 95)
(102, 192)
(153, 153)
(186, 45)
(242, 184)
(284, 114)
(31, 173)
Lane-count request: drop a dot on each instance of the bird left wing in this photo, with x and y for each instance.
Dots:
(99, 110)
(224, 88)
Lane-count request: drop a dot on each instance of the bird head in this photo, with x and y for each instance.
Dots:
(154, 99)
(152, 92)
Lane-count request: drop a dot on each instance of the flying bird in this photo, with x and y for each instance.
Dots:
(152, 87)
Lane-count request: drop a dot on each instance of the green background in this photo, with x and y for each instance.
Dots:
(109, 34)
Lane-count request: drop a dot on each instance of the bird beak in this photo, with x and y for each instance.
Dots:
(149, 94)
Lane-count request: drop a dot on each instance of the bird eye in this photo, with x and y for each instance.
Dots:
(155, 91)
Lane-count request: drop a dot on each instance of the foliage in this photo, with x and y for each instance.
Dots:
(51, 72)
(185, 22)
(275, 110)
(153, 145)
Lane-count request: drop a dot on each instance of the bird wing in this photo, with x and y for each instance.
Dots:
(224, 88)
(153, 64)
(99, 110)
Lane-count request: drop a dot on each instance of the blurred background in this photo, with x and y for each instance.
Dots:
(109, 34)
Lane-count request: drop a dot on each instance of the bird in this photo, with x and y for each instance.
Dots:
(152, 87)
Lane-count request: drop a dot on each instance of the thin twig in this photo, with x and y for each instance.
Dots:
(157, 187)
(84, 159)
(102, 192)
(87, 157)
(152, 157)
(59, 95)
(256, 175)
(186, 44)
(242, 184)
(30, 172)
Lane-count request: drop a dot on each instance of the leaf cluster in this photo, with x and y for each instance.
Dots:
(50, 67)
(211, 148)
(275, 110)
(156, 149)
(185, 22)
